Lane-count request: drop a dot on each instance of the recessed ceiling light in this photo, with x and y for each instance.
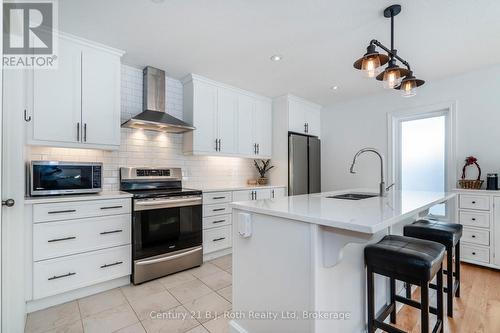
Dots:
(335, 88)
(276, 57)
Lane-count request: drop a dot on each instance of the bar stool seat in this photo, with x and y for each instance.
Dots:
(403, 256)
(410, 260)
(449, 235)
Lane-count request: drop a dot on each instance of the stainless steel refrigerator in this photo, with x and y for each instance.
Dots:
(304, 164)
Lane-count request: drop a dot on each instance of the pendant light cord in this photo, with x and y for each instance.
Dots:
(392, 32)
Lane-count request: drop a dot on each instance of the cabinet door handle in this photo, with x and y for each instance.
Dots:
(473, 202)
(111, 207)
(85, 132)
(111, 232)
(55, 277)
(77, 131)
(217, 198)
(218, 239)
(60, 239)
(62, 211)
(473, 236)
(218, 221)
(272, 193)
(258, 148)
(473, 253)
(473, 219)
(113, 264)
(218, 209)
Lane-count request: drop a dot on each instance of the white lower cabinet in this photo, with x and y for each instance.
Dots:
(479, 213)
(55, 276)
(78, 244)
(217, 218)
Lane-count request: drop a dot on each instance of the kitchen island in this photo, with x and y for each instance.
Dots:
(298, 263)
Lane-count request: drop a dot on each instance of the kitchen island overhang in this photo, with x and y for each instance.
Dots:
(301, 257)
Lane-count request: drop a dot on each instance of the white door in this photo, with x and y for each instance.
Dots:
(263, 128)
(227, 107)
(263, 194)
(57, 98)
(296, 117)
(100, 97)
(204, 117)
(245, 195)
(313, 120)
(246, 141)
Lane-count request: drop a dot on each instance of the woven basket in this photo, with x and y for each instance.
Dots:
(472, 184)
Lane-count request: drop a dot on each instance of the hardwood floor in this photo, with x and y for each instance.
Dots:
(476, 311)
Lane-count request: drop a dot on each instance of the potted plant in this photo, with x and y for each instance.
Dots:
(262, 168)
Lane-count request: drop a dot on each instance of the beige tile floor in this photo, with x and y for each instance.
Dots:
(192, 301)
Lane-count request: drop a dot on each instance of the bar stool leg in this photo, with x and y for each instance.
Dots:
(393, 299)
(449, 281)
(457, 268)
(424, 310)
(408, 290)
(371, 301)
(439, 307)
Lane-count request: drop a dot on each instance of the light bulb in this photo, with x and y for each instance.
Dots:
(392, 78)
(408, 88)
(369, 66)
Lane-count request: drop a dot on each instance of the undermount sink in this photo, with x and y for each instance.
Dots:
(353, 196)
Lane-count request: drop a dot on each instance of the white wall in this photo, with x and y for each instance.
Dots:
(146, 148)
(349, 126)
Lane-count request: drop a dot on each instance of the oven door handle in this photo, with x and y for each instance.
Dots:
(167, 258)
(143, 205)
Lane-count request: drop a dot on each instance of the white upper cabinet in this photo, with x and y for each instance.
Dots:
(228, 121)
(263, 128)
(303, 116)
(76, 105)
(100, 97)
(227, 102)
(56, 98)
(246, 115)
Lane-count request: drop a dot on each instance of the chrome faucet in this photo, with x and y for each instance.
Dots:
(382, 190)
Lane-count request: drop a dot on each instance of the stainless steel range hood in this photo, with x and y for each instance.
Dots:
(153, 117)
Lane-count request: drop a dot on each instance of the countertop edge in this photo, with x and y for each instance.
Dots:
(339, 224)
(81, 197)
(240, 188)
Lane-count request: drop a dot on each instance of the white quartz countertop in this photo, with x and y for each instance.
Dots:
(77, 197)
(237, 187)
(366, 216)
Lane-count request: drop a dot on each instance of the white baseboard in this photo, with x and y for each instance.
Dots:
(46, 302)
(217, 254)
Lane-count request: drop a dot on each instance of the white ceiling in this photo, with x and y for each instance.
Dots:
(231, 40)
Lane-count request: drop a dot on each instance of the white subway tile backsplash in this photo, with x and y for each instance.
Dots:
(145, 148)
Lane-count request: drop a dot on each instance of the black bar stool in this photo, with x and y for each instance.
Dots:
(449, 235)
(410, 260)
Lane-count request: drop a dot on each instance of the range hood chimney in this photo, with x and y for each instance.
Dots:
(153, 117)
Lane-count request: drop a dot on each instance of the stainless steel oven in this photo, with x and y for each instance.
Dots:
(167, 223)
(54, 177)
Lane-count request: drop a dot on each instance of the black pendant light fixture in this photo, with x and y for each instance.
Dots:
(393, 76)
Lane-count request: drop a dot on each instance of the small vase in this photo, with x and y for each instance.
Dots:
(262, 181)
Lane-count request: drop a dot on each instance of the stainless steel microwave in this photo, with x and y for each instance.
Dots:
(54, 177)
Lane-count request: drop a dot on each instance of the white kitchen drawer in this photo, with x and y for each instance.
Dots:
(217, 209)
(216, 239)
(55, 276)
(216, 221)
(216, 197)
(480, 202)
(474, 218)
(474, 253)
(80, 209)
(61, 238)
(476, 236)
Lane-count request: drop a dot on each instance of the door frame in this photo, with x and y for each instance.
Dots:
(448, 109)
